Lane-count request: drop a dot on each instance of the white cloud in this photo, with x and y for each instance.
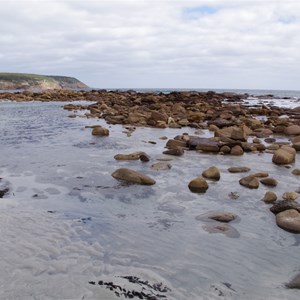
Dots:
(141, 43)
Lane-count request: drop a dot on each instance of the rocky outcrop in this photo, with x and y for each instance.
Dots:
(16, 81)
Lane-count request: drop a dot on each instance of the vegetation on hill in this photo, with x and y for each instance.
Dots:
(15, 81)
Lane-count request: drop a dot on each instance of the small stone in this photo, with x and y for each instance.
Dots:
(100, 131)
(198, 185)
(212, 173)
(290, 196)
(238, 169)
(225, 149)
(161, 166)
(269, 181)
(224, 217)
(270, 197)
(289, 220)
(130, 156)
(144, 157)
(175, 152)
(225, 229)
(249, 182)
(296, 172)
(261, 174)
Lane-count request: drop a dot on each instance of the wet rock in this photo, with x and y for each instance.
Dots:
(270, 140)
(171, 144)
(161, 166)
(225, 149)
(3, 192)
(289, 220)
(269, 181)
(284, 205)
(130, 156)
(284, 155)
(198, 185)
(224, 217)
(261, 174)
(250, 182)
(296, 146)
(270, 197)
(290, 196)
(144, 157)
(292, 130)
(294, 283)
(239, 134)
(175, 152)
(296, 172)
(100, 131)
(203, 144)
(238, 169)
(225, 229)
(237, 150)
(212, 173)
(132, 177)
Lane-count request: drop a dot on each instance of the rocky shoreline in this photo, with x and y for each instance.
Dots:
(223, 125)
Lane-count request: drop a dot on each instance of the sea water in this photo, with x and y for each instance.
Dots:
(66, 223)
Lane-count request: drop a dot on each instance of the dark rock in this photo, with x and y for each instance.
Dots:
(238, 169)
(284, 205)
(175, 152)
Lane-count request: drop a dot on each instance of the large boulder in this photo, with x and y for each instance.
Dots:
(292, 130)
(284, 155)
(132, 176)
(198, 185)
(289, 220)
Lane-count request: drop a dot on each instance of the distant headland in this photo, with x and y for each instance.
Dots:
(21, 81)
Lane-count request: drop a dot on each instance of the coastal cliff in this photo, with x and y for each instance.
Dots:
(20, 81)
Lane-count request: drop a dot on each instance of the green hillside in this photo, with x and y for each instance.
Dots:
(16, 81)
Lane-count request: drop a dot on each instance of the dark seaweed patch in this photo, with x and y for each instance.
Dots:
(149, 291)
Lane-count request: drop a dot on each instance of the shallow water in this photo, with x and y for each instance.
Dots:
(67, 222)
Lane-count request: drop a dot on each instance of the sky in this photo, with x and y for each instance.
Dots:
(226, 44)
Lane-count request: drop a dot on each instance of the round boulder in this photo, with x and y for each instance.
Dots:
(289, 220)
(237, 150)
(270, 197)
(198, 185)
(284, 155)
(212, 173)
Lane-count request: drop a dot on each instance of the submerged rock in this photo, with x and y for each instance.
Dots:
(225, 229)
(294, 283)
(174, 151)
(132, 176)
(296, 172)
(224, 217)
(161, 166)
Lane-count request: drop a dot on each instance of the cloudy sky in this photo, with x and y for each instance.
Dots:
(251, 44)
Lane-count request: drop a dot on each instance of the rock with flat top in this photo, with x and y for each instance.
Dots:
(250, 182)
(132, 176)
